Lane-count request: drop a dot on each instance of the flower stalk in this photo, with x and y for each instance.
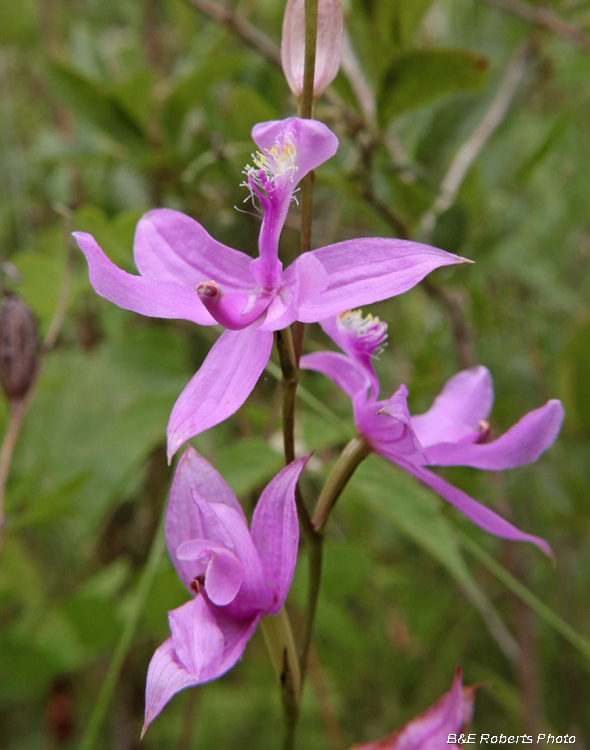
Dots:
(278, 636)
(311, 34)
(352, 455)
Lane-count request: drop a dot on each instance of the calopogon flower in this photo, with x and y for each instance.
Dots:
(235, 576)
(186, 274)
(440, 726)
(453, 432)
(327, 53)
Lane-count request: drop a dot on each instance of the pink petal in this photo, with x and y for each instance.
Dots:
(222, 384)
(368, 270)
(233, 310)
(275, 530)
(170, 246)
(166, 676)
(302, 280)
(431, 729)
(474, 511)
(387, 426)
(522, 444)
(224, 527)
(329, 39)
(255, 595)
(152, 297)
(198, 640)
(342, 370)
(199, 629)
(183, 519)
(224, 573)
(315, 143)
(465, 399)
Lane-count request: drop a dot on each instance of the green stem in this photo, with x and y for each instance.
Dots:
(356, 450)
(288, 363)
(280, 642)
(311, 34)
(289, 359)
(315, 548)
(126, 638)
(523, 593)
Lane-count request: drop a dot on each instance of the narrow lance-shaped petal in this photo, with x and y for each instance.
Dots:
(329, 41)
(440, 726)
(222, 384)
(454, 432)
(235, 576)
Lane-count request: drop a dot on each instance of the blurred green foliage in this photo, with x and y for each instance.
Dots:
(111, 108)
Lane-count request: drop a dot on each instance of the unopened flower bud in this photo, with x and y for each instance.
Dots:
(329, 39)
(18, 347)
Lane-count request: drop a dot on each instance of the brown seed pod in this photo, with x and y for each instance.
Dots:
(18, 347)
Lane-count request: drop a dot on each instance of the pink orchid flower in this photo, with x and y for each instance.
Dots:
(453, 432)
(236, 576)
(186, 274)
(437, 727)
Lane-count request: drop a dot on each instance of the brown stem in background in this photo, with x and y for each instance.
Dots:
(397, 224)
(463, 338)
(527, 664)
(328, 713)
(448, 298)
(247, 32)
(20, 409)
(185, 740)
(547, 20)
(472, 147)
(311, 34)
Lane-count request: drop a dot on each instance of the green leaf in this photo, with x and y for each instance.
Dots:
(416, 512)
(19, 22)
(115, 236)
(451, 229)
(540, 608)
(135, 95)
(248, 464)
(95, 104)
(419, 77)
(575, 376)
(189, 91)
(94, 620)
(247, 107)
(103, 700)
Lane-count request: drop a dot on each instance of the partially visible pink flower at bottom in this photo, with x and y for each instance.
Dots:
(235, 575)
(449, 716)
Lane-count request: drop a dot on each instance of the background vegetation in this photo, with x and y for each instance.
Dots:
(110, 108)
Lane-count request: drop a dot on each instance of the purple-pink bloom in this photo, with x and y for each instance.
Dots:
(235, 575)
(436, 728)
(185, 273)
(453, 432)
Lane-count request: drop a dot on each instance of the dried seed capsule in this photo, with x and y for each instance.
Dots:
(18, 347)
